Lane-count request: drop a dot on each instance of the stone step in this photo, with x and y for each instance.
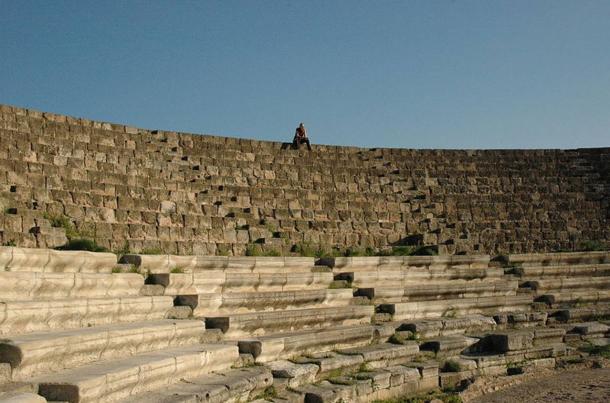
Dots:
(428, 328)
(456, 307)
(412, 277)
(518, 320)
(292, 344)
(17, 317)
(20, 286)
(193, 264)
(520, 339)
(228, 386)
(554, 259)
(589, 328)
(244, 302)
(395, 381)
(119, 380)
(24, 397)
(231, 280)
(268, 322)
(583, 313)
(36, 353)
(371, 262)
(564, 284)
(575, 297)
(15, 259)
(448, 345)
(440, 290)
(383, 354)
(346, 362)
(575, 270)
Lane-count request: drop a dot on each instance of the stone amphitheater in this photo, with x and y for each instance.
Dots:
(238, 270)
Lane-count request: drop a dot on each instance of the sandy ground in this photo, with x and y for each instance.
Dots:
(585, 385)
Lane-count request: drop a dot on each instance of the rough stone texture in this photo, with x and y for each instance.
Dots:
(193, 194)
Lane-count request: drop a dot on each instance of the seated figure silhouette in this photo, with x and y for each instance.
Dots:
(300, 137)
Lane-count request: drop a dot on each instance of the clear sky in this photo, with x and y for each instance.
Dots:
(415, 74)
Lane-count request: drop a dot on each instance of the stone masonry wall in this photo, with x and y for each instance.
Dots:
(195, 194)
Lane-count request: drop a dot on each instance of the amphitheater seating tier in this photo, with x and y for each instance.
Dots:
(165, 328)
(205, 195)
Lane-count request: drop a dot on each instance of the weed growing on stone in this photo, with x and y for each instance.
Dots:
(61, 221)
(304, 249)
(447, 396)
(601, 351)
(591, 246)
(451, 366)
(253, 250)
(335, 373)
(152, 251)
(177, 270)
(268, 393)
(9, 243)
(337, 284)
(273, 252)
(122, 251)
(364, 367)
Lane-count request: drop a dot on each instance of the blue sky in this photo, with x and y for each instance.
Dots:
(414, 74)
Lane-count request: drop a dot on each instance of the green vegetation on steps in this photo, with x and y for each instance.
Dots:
(446, 396)
(451, 366)
(601, 351)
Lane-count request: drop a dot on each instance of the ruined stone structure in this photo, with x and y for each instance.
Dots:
(80, 327)
(136, 189)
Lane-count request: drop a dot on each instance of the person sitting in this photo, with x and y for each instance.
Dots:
(300, 136)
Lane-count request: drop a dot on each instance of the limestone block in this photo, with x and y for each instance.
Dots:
(590, 328)
(38, 353)
(28, 259)
(235, 385)
(400, 374)
(461, 306)
(120, 379)
(384, 352)
(304, 373)
(6, 255)
(241, 302)
(31, 316)
(35, 285)
(427, 369)
(294, 344)
(262, 323)
(380, 379)
(47, 260)
(547, 259)
(332, 362)
(454, 344)
(25, 397)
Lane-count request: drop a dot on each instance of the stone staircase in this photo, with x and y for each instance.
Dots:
(82, 327)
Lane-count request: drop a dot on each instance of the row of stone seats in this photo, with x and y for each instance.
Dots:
(234, 172)
(566, 279)
(380, 166)
(41, 290)
(430, 287)
(234, 148)
(144, 361)
(288, 304)
(277, 157)
(84, 332)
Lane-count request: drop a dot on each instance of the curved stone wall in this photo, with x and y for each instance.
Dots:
(135, 189)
